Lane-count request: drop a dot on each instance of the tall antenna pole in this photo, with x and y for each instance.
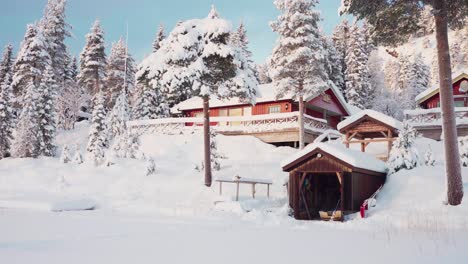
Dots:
(126, 61)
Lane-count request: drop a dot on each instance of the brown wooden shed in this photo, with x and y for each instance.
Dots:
(328, 177)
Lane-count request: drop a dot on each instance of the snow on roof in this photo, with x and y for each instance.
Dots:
(435, 88)
(266, 93)
(353, 157)
(388, 120)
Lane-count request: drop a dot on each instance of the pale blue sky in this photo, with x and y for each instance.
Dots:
(144, 17)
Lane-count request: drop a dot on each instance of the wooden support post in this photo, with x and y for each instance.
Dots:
(268, 190)
(347, 140)
(220, 188)
(253, 190)
(237, 191)
(363, 147)
(390, 141)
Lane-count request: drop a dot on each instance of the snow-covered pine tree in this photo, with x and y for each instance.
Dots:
(6, 65)
(463, 146)
(93, 61)
(420, 79)
(30, 63)
(65, 156)
(340, 40)
(429, 157)
(78, 158)
(216, 156)
(199, 55)
(97, 141)
(158, 39)
(240, 40)
(263, 74)
(358, 90)
(333, 63)
(26, 144)
(119, 74)
(150, 167)
(6, 117)
(56, 30)
(118, 133)
(46, 112)
(148, 103)
(404, 154)
(70, 98)
(297, 64)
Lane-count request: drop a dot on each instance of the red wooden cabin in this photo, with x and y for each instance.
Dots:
(328, 108)
(431, 98)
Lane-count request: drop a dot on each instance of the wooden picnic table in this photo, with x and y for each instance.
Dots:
(239, 180)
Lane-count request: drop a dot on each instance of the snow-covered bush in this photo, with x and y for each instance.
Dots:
(429, 157)
(463, 149)
(404, 154)
(78, 158)
(65, 157)
(150, 167)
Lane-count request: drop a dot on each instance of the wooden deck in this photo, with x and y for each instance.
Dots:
(428, 122)
(272, 128)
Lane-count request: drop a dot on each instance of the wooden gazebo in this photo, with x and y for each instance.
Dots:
(370, 126)
(326, 178)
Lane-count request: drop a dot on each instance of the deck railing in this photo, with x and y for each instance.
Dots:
(433, 117)
(232, 124)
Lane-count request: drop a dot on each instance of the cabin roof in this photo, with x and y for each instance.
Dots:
(266, 93)
(456, 76)
(385, 119)
(351, 157)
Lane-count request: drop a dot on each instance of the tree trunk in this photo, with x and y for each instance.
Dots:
(206, 137)
(452, 158)
(301, 122)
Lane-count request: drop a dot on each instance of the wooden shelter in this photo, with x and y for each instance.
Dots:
(328, 178)
(370, 126)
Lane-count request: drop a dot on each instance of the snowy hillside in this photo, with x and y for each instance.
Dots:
(173, 209)
(427, 48)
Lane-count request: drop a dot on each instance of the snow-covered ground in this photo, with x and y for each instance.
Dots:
(171, 217)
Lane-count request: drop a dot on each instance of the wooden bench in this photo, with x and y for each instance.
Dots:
(238, 180)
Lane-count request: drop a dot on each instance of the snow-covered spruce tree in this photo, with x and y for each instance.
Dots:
(358, 90)
(70, 98)
(97, 142)
(46, 112)
(122, 142)
(26, 144)
(6, 65)
(120, 72)
(240, 40)
(150, 167)
(263, 74)
(402, 19)
(297, 64)
(147, 101)
(216, 156)
(93, 61)
(30, 63)
(404, 154)
(78, 158)
(6, 117)
(65, 156)
(463, 145)
(414, 79)
(198, 55)
(158, 39)
(340, 40)
(429, 157)
(333, 64)
(56, 30)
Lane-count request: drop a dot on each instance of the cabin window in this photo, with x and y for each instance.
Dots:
(274, 109)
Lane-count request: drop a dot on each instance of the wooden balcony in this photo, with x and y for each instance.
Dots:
(271, 128)
(428, 122)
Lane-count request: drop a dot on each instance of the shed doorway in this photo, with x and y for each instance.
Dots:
(320, 192)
